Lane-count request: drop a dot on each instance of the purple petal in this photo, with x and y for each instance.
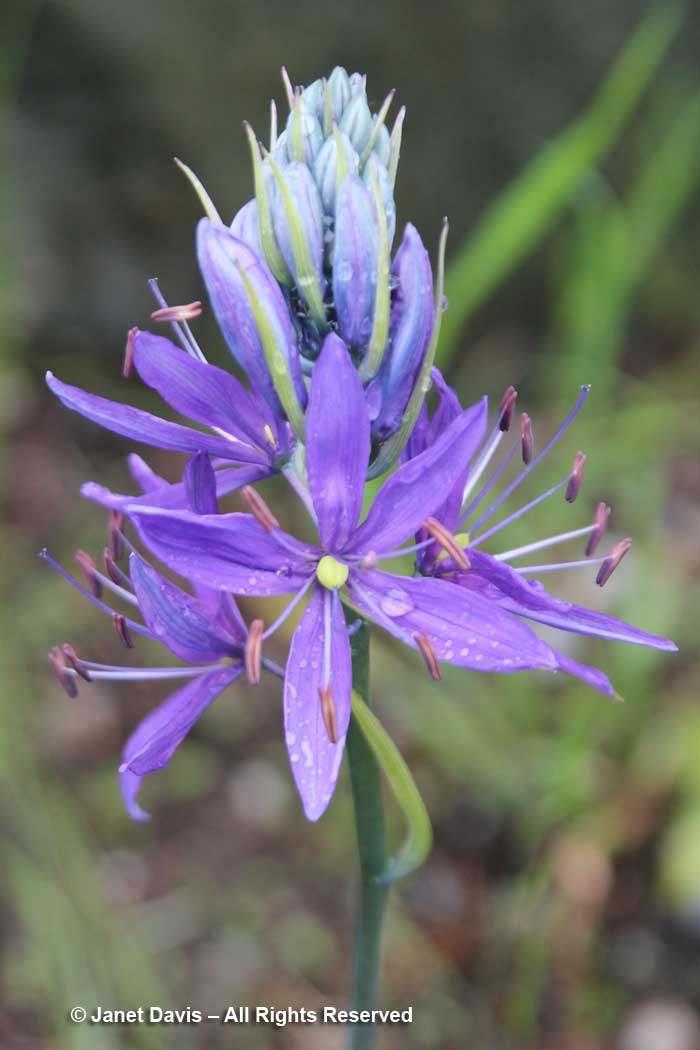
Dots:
(155, 739)
(419, 488)
(246, 226)
(355, 261)
(174, 497)
(221, 258)
(142, 426)
(465, 629)
(144, 476)
(201, 391)
(528, 598)
(229, 550)
(412, 322)
(337, 443)
(315, 760)
(199, 480)
(590, 675)
(176, 618)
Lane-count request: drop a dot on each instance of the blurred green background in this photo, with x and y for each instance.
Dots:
(561, 905)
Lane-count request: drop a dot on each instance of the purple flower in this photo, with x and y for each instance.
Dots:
(251, 555)
(490, 575)
(243, 429)
(207, 633)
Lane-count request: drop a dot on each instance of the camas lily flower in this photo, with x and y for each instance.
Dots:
(251, 555)
(206, 632)
(247, 439)
(490, 575)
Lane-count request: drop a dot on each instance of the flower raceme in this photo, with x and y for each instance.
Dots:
(336, 338)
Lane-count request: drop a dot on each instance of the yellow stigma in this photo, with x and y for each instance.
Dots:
(331, 573)
(268, 433)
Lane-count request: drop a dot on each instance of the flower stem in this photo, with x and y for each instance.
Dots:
(369, 821)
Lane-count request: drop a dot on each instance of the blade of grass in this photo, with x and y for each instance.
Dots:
(521, 216)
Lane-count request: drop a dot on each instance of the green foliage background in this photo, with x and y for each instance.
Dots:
(562, 898)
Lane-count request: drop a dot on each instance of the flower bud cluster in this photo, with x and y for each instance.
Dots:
(311, 254)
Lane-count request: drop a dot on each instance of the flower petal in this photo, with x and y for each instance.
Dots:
(226, 550)
(529, 598)
(419, 487)
(200, 391)
(315, 760)
(199, 480)
(337, 443)
(142, 426)
(155, 739)
(464, 629)
(174, 497)
(175, 617)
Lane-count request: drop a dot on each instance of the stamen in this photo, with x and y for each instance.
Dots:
(429, 656)
(183, 332)
(63, 673)
(600, 524)
(478, 540)
(90, 572)
(612, 561)
(527, 439)
(259, 509)
(585, 390)
(115, 574)
(505, 412)
(330, 719)
(145, 674)
(253, 651)
(120, 626)
(550, 541)
(115, 528)
(370, 559)
(185, 312)
(573, 486)
(128, 366)
(133, 625)
(289, 609)
(482, 462)
(447, 542)
(76, 663)
(502, 466)
(585, 562)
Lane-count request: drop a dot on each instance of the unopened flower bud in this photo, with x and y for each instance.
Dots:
(336, 158)
(339, 90)
(297, 218)
(356, 121)
(374, 169)
(304, 133)
(240, 286)
(411, 328)
(355, 261)
(246, 227)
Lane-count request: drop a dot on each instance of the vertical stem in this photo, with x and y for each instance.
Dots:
(369, 821)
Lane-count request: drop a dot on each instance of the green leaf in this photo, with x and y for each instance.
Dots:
(521, 216)
(612, 249)
(419, 839)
